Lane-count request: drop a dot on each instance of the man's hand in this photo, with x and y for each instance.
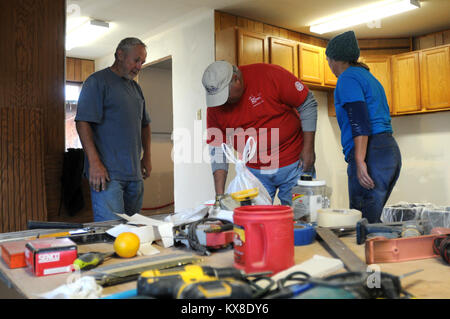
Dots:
(146, 167)
(98, 176)
(307, 160)
(146, 161)
(308, 155)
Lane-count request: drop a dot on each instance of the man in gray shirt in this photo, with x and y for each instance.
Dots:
(114, 129)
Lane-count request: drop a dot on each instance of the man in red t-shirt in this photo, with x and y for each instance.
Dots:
(270, 104)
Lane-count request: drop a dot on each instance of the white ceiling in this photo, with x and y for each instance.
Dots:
(145, 18)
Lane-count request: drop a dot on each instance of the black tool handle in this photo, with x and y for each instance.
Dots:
(52, 225)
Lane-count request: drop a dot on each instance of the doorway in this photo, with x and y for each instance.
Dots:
(155, 80)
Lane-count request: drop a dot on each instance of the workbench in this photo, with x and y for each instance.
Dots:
(431, 283)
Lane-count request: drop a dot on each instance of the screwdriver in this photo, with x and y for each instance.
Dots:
(91, 260)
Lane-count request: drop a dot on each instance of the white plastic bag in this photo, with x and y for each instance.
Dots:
(244, 179)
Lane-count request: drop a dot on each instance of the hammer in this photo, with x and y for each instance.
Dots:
(363, 228)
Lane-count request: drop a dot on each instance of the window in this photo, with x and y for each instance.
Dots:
(72, 93)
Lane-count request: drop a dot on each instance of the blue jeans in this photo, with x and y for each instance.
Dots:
(119, 197)
(283, 179)
(384, 163)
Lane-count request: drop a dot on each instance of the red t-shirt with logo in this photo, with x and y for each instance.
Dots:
(267, 111)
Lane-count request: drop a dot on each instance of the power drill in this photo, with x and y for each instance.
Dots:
(216, 289)
(170, 283)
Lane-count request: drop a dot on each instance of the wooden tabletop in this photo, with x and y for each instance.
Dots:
(431, 283)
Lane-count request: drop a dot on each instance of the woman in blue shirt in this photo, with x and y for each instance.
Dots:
(362, 111)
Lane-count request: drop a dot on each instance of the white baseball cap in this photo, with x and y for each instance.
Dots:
(216, 80)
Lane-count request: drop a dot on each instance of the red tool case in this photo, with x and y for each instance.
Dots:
(50, 256)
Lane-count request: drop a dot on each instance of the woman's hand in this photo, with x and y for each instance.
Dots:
(363, 176)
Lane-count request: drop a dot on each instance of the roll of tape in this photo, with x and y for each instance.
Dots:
(328, 217)
(304, 234)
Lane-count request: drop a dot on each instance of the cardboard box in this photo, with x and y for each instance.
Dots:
(13, 253)
(50, 256)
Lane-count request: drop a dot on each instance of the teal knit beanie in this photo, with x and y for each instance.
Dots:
(343, 47)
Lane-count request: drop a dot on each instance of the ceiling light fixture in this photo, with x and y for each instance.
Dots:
(364, 14)
(86, 33)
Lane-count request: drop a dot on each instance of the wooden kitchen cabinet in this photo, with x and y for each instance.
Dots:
(241, 47)
(78, 70)
(435, 78)
(310, 64)
(73, 70)
(87, 68)
(284, 53)
(329, 79)
(406, 83)
(252, 48)
(314, 68)
(380, 67)
(305, 61)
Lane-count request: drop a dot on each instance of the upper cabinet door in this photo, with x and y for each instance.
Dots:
(73, 70)
(284, 53)
(252, 48)
(77, 70)
(87, 68)
(435, 78)
(329, 79)
(406, 83)
(380, 67)
(311, 64)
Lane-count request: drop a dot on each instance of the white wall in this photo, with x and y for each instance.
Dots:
(424, 142)
(330, 164)
(191, 45)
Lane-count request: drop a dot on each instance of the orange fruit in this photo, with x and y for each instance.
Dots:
(127, 244)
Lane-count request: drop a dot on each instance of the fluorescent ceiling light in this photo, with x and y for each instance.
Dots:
(84, 33)
(363, 15)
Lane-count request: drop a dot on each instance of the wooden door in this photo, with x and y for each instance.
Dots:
(310, 64)
(284, 53)
(252, 47)
(22, 177)
(329, 79)
(380, 67)
(435, 78)
(32, 56)
(406, 83)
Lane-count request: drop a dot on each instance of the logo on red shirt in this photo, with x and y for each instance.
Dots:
(256, 100)
(299, 86)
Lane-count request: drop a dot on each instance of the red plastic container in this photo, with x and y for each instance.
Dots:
(264, 238)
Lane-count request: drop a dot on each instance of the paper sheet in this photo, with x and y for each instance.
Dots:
(161, 230)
